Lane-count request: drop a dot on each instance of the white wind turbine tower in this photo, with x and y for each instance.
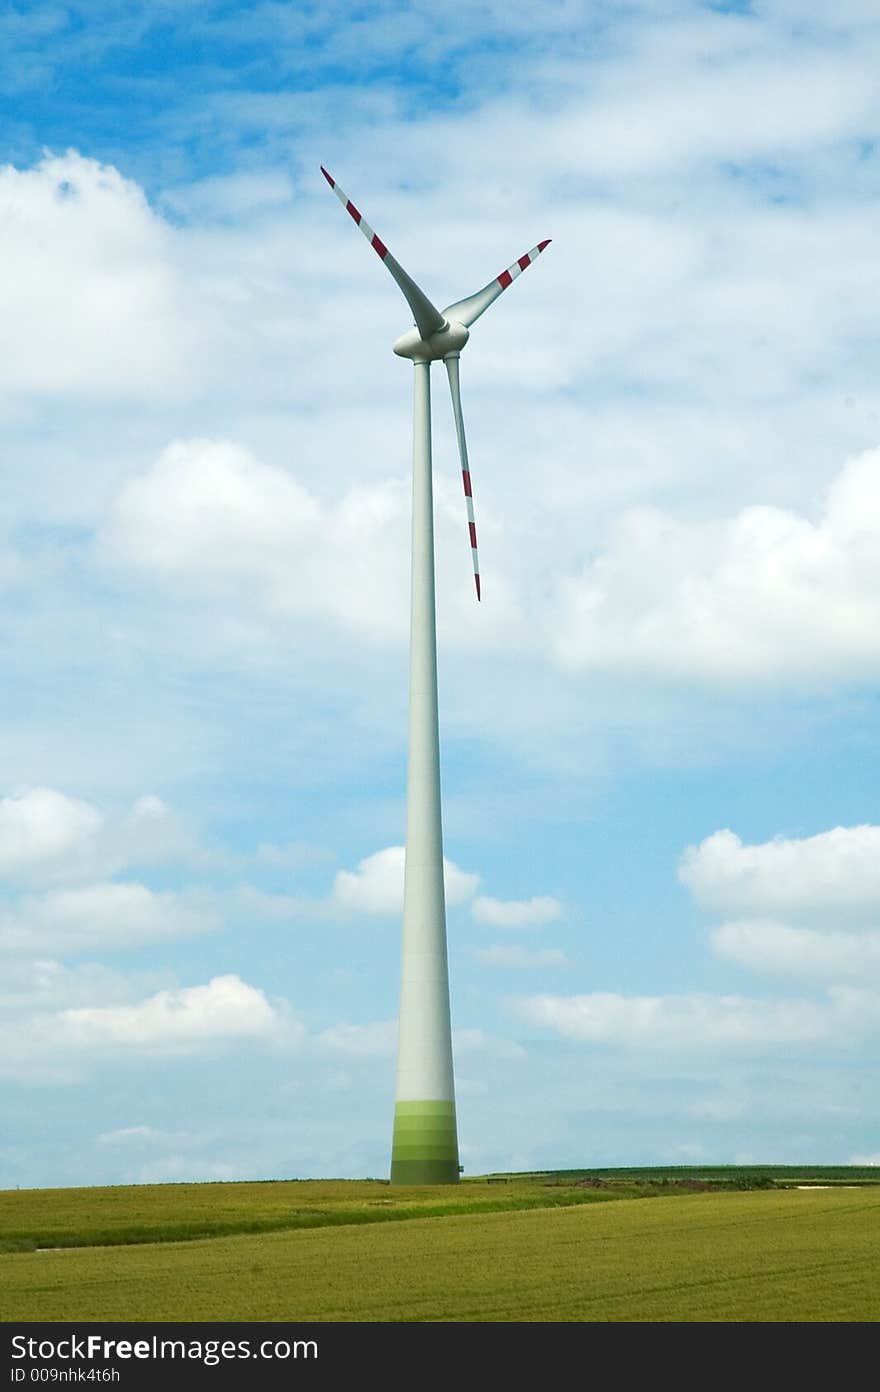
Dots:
(425, 1144)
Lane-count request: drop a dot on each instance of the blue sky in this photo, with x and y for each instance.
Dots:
(660, 728)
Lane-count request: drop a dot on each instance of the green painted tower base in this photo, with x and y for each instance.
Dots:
(425, 1145)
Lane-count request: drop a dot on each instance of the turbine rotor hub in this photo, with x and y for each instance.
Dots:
(446, 341)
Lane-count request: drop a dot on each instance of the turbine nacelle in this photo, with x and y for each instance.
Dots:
(450, 339)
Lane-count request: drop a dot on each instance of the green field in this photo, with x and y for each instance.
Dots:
(149, 1213)
(529, 1248)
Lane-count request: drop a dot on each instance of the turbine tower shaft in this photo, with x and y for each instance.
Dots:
(425, 1143)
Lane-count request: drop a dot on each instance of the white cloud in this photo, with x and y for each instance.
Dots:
(225, 1009)
(376, 887)
(520, 958)
(111, 916)
(88, 294)
(47, 836)
(516, 913)
(43, 831)
(873, 1159)
(766, 594)
(703, 1021)
(211, 515)
(835, 873)
(101, 1021)
(766, 946)
(663, 125)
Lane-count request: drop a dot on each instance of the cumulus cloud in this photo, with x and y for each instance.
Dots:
(89, 296)
(47, 836)
(376, 887)
(834, 873)
(703, 1021)
(52, 1037)
(809, 905)
(514, 956)
(110, 916)
(764, 595)
(516, 913)
(225, 1009)
(44, 832)
(766, 946)
(211, 515)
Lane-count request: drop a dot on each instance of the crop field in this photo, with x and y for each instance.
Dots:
(539, 1248)
(46, 1218)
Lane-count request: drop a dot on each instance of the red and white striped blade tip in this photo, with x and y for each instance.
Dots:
(472, 526)
(506, 277)
(375, 241)
(468, 310)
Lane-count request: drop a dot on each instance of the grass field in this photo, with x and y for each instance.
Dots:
(40, 1218)
(528, 1248)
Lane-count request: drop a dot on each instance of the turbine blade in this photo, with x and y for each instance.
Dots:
(466, 311)
(427, 317)
(452, 373)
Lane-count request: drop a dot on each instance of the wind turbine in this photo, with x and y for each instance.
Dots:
(425, 1143)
